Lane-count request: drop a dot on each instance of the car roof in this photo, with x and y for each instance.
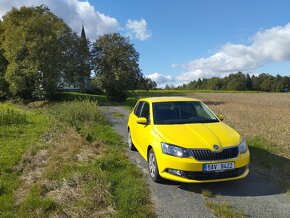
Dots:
(167, 99)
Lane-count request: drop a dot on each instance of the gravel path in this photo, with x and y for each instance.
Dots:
(256, 196)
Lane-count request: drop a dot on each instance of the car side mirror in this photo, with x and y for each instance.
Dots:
(141, 120)
(221, 117)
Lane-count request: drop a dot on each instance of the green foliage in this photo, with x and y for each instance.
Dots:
(224, 209)
(77, 112)
(35, 202)
(12, 117)
(240, 82)
(15, 139)
(266, 153)
(116, 65)
(71, 96)
(146, 83)
(42, 53)
(130, 192)
(3, 67)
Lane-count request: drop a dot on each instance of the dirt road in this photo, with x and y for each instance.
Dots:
(256, 195)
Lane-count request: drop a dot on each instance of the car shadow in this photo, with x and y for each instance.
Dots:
(270, 179)
(213, 102)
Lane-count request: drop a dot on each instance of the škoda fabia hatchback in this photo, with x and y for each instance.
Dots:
(183, 140)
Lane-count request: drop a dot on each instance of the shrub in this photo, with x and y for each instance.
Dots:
(12, 117)
(77, 112)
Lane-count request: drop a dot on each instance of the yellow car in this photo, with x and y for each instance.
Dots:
(183, 140)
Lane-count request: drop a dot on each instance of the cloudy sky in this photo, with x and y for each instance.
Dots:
(180, 41)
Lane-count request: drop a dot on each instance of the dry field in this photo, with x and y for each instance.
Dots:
(254, 114)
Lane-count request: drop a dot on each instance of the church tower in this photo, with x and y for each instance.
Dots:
(83, 34)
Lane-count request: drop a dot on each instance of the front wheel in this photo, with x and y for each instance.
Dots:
(152, 166)
(130, 143)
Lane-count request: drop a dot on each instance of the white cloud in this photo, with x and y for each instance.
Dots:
(73, 12)
(175, 65)
(270, 45)
(266, 46)
(160, 79)
(138, 29)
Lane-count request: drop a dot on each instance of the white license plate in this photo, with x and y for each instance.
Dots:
(218, 166)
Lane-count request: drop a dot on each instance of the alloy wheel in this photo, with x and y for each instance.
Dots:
(152, 165)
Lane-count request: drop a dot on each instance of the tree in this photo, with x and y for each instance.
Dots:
(240, 82)
(249, 83)
(266, 82)
(235, 82)
(115, 62)
(42, 52)
(146, 83)
(281, 84)
(3, 67)
(3, 83)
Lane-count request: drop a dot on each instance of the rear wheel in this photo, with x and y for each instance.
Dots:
(130, 143)
(152, 167)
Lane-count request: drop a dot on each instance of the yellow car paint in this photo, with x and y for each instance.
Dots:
(188, 136)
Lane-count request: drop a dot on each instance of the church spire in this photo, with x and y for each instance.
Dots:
(83, 34)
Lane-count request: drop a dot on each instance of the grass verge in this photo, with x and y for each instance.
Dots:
(129, 191)
(224, 210)
(18, 130)
(221, 209)
(78, 169)
(72, 96)
(266, 155)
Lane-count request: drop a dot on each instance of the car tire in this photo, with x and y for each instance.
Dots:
(152, 167)
(130, 143)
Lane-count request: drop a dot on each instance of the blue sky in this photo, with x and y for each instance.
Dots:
(183, 40)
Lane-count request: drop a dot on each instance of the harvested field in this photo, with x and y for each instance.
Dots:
(254, 114)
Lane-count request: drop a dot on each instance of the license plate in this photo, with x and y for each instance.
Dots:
(218, 166)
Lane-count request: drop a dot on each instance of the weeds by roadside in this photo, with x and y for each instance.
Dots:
(265, 156)
(11, 116)
(224, 210)
(127, 186)
(79, 168)
(20, 130)
(221, 209)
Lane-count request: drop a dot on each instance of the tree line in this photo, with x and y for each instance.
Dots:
(240, 82)
(40, 54)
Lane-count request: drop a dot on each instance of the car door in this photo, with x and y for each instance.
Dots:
(143, 130)
(133, 125)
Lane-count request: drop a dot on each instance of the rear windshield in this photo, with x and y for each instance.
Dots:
(182, 113)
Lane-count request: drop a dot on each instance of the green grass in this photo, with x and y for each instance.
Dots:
(87, 170)
(162, 92)
(266, 154)
(221, 209)
(224, 210)
(71, 96)
(117, 114)
(78, 113)
(129, 193)
(207, 193)
(9, 116)
(22, 129)
(128, 188)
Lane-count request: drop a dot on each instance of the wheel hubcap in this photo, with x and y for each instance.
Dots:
(152, 165)
(129, 140)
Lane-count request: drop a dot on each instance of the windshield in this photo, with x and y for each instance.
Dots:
(182, 113)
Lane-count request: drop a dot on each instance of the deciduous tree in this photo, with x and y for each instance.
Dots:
(42, 52)
(115, 62)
